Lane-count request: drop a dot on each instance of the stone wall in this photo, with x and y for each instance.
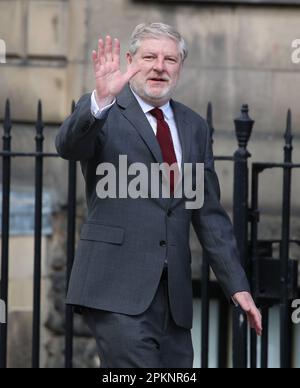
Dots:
(45, 55)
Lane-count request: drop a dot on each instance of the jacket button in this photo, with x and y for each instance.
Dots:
(163, 243)
(169, 213)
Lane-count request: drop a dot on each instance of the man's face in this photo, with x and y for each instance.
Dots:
(160, 64)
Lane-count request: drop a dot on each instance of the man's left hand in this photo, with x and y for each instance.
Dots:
(246, 302)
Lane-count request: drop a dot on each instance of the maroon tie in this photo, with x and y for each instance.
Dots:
(165, 141)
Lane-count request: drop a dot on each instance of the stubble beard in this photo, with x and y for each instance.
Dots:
(144, 92)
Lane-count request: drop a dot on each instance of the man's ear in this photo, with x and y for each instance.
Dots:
(129, 58)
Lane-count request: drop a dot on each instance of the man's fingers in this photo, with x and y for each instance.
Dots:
(246, 302)
(101, 57)
(252, 321)
(108, 49)
(107, 62)
(116, 52)
(258, 325)
(95, 61)
(255, 322)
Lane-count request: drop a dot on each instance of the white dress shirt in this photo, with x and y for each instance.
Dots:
(96, 111)
(168, 115)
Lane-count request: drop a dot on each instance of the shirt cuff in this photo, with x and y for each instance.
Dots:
(96, 112)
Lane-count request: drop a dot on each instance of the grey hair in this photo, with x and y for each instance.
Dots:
(156, 30)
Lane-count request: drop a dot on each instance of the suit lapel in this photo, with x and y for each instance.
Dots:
(182, 124)
(134, 114)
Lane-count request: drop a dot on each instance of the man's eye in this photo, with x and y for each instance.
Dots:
(148, 58)
(171, 60)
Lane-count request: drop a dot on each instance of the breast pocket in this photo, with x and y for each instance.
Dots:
(102, 233)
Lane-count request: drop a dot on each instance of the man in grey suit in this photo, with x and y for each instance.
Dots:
(132, 270)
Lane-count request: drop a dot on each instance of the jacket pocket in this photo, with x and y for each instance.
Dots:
(102, 233)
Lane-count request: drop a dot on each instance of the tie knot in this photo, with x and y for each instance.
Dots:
(157, 113)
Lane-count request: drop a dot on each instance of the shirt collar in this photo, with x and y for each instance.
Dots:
(167, 110)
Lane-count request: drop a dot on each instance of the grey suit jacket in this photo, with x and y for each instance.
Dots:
(125, 242)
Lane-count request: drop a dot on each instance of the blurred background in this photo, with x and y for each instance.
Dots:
(239, 53)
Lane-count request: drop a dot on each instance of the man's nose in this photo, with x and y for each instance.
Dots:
(159, 65)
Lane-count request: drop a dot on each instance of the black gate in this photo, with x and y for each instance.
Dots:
(274, 280)
(278, 287)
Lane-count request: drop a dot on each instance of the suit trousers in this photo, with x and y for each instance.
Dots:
(149, 340)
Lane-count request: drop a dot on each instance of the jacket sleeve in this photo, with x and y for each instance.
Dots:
(215, 232)
(81, 133)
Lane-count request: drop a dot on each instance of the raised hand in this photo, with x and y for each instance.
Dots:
(109, 79)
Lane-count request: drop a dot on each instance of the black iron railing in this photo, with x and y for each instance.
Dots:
(39, 156)
(280, 287)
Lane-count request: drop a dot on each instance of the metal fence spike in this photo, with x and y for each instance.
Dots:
(243, 127)
(7, 119)
(288, 132)
(39, 123)
(209, 119)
